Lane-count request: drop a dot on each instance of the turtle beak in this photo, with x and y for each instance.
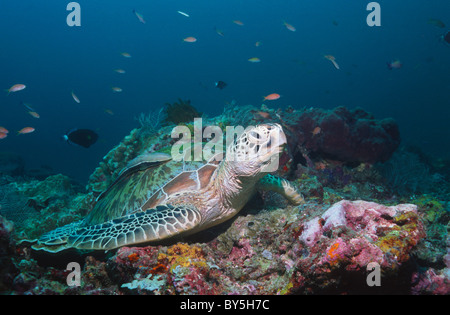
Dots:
(277, 138)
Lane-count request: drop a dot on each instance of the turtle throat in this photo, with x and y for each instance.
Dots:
(234, 190)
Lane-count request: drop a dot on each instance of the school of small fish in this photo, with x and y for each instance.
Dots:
(395, 64)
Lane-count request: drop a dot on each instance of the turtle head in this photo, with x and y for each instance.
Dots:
(257, 149)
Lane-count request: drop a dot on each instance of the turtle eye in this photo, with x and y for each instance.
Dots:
(254, 135)
(257, 137)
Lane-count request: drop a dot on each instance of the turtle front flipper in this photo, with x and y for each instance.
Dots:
(56, 240)
(281, 186)
(159, 223)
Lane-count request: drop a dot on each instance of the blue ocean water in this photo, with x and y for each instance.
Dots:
(40, 50)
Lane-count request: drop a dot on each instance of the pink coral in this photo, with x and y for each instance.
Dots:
(137, 257)
(431, 282)
(242, 252)
(370, 232)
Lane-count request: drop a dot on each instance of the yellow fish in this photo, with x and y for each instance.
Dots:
(254, 59)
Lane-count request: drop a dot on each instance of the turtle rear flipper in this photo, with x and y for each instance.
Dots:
(154, 224)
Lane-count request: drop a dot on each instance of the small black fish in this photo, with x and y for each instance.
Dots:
(220, 84)
(446, 37)
(81, 137)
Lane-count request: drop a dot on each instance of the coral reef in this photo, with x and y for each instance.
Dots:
(294, 250)
(352, 136)
(320, 247)
(14, 204)
(406, 174)
(151, 123)
(34, 205)
(379, 234)
(7, 269)
(180, 112)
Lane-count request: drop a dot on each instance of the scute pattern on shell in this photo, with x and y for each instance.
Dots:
(127, 196)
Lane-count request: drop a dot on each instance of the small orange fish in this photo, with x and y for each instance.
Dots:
(316, 131)
(289, 26)
(126, 55)
(16, 88)
(75, 98)
(190, 39)
(3, 135)
(261, 115)
(25, 130)
(257, 44)
(237, 22)
(320, 166)
(272, 97)
(116, 89)
(254, 60)
(3, 130)
(34, 114)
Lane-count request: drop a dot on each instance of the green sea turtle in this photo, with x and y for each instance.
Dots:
(136, 209)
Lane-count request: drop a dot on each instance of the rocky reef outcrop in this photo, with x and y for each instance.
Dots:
(352, 136)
